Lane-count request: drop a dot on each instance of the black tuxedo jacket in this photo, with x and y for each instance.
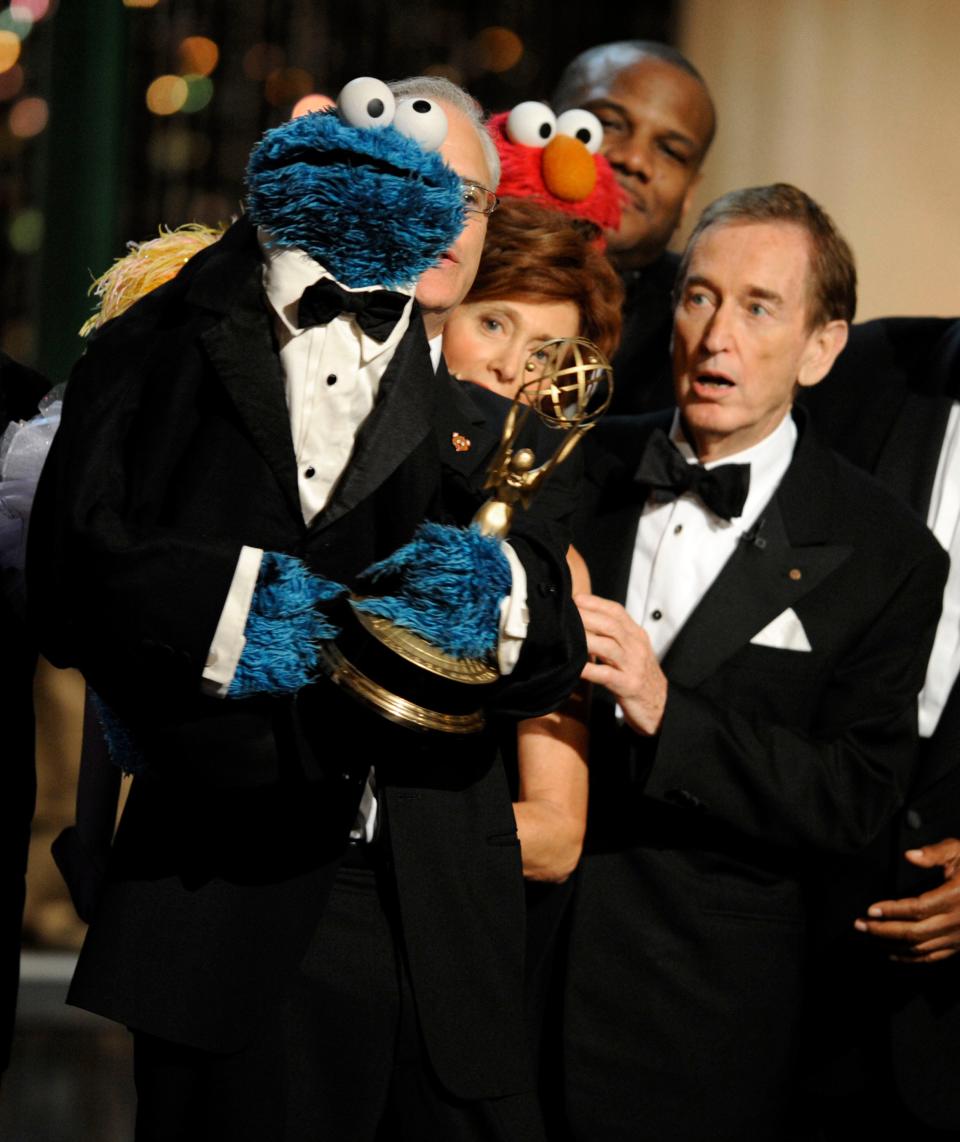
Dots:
(174, 451)
(20, 390)
(690, 928)
(642, 367)
(885, 405)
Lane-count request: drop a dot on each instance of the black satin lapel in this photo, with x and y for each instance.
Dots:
(401, 418)
(908, 461)
(241, 350)
(607, 544)
(763, 577)
(469, 424)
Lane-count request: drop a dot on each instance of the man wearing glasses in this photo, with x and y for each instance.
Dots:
(282, 982)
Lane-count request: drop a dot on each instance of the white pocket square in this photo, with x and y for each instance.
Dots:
(784, 633)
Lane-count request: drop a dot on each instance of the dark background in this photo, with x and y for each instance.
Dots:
(105, 170)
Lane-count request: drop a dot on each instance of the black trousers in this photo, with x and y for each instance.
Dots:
(342, 1061)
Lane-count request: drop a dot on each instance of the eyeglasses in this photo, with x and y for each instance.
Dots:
(478, 199)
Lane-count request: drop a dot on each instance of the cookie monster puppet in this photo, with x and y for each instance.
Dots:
(177, 463)
(362, 190)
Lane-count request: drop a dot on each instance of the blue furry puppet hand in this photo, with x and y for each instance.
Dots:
(449, 582)
(284, 626)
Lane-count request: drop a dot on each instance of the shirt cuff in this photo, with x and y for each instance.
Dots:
(228, 639)
(514, 615)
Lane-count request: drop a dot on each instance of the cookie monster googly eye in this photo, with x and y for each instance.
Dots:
(366, 102)
(422, 120)
(532, 124)
(582, 125)
(372, 206)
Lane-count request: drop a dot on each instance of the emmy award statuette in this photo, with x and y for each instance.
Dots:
(400, 674)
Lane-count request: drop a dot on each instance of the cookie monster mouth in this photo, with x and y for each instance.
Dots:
(310, 156)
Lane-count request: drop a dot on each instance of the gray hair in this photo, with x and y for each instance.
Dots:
(832, 273)
(437, 87)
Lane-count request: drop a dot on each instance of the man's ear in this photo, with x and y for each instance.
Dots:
(824, 346)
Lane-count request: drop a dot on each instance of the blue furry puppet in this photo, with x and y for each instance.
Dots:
(362, 190)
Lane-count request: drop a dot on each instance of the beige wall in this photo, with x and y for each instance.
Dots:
(858, 103)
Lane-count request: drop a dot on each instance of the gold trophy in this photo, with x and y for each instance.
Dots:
(398, 673)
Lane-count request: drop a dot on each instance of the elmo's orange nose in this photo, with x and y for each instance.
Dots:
(568, 169)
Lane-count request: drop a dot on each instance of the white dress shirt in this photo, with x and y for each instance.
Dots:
(332, 375)
(943, 519)
(681, 546)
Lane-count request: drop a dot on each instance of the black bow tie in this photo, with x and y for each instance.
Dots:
(722, 489)
(375, 311)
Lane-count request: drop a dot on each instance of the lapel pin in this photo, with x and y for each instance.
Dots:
(460, 442)
(795, 574)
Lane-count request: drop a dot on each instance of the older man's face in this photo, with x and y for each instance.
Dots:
(442, 288)
(657, 122)
(741, 339)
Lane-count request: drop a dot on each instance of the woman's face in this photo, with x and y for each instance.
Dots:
(489, 342)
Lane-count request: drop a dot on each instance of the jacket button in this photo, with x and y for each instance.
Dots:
(914, 820)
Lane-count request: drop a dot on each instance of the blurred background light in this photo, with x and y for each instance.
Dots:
(9, 49)
(28, 117)
(37, 9)
(312, 102)
(199, 92)
(498, 49)
(198, 55)
(167, 94)
(178, 149)
(140, 3)
(261, 59)
(25, 232)
(16, 20)
(287, 85)
(11, 83)
(446, 70)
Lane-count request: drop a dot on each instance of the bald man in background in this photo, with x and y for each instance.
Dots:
(658, 120)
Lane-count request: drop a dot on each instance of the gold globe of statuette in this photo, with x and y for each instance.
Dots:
(574, 386)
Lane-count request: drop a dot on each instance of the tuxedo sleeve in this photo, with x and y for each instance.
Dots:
(834, 783)
(554, 650)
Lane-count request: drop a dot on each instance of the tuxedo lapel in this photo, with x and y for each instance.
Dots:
(400, 420)
(784, 557)
(610, 550)
(470, 423)
(764, 576)
(907, 463)
(240, 348)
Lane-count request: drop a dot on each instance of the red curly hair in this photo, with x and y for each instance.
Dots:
(534, 254)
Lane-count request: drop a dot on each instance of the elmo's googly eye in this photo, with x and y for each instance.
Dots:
(423, 120)
(582, 125)
(366, 102)
(532, 124)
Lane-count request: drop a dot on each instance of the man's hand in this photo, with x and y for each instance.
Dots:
(626, 663)
(926, 928)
